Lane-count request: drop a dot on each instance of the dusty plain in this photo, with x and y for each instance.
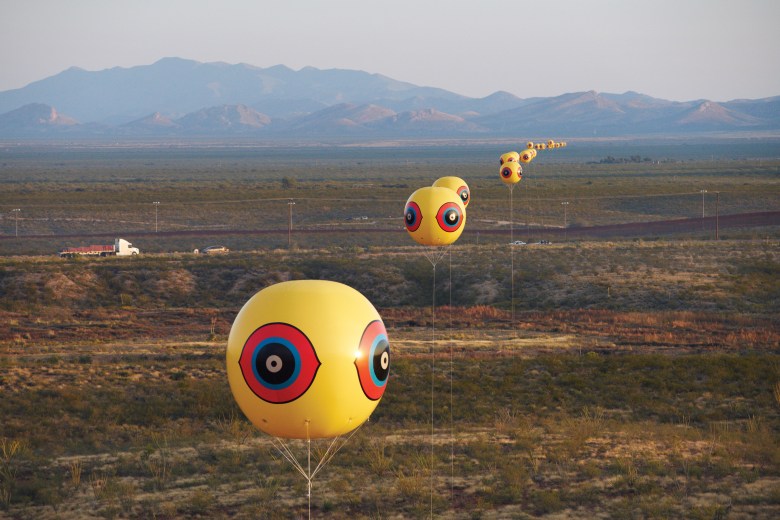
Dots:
(626, 377)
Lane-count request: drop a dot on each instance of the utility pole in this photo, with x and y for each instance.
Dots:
(565, 233)
(702, 208)
(290, 204)
(156, 205)
(16, 220)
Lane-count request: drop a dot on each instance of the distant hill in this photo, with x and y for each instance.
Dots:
(180, 97)
(176, 87)
(34, 118)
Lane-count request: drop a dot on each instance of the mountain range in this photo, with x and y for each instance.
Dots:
(175, 97)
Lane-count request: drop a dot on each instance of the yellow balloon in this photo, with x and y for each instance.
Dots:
(308, 359)
(511, 173)
(434, 216)
(527, 155)
(530, 144)
(550, 144)
(509, 157)
(541, 146)
(456, 184)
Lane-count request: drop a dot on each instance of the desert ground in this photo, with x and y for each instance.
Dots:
(634, 375)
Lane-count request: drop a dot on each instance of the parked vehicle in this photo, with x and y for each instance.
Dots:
(518, 243)
(214, 250)
(120, 247)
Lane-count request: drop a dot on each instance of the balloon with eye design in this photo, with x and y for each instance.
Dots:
(509, 157)
(456, 184)
(511, 173)
(434, 216)
(308, 359)
(527, 155)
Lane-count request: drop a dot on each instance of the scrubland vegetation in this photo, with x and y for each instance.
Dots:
(640, 378)
(156, 434)
(89, 194)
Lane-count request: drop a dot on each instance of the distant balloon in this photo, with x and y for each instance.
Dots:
(540, 146)
(435, 216)
(456, 184)
(308, 359)
(550, 144)
(527, 155)
(511, 173)
(530, 144)
(509, 157)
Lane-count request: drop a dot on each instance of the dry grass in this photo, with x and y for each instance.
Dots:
(150, 430)
(113, 381)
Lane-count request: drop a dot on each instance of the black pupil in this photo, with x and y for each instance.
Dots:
(410, 216)
(275, 363)
(452, 216)
(464, 195)
(506, 172)
(382, 350)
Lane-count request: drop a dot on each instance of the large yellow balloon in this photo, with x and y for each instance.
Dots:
(458, 185)
(511, 173)
(434, 216)
(308, 359)
(509, 157)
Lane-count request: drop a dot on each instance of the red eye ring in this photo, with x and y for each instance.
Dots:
(449, 217)
(373, 360)
(465, 195)
(278, 363)
(412, 216)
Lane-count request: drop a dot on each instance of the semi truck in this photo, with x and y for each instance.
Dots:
(120, 247)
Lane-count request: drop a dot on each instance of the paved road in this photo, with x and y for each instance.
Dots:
(631, 229)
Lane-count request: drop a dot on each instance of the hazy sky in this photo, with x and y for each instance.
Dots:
(673, 49)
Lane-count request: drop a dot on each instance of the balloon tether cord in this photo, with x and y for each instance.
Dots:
(512, 256)
(433, 374)
(434, 254)
(333, 448)
(452, 427)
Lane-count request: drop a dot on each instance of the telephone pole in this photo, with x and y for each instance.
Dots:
(290, 204)
(156, 205)
(16, 220)
(702, 208)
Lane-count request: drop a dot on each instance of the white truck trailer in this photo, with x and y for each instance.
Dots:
(120, 247)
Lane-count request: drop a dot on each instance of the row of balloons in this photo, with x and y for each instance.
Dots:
(309, 359)
(295, 347)
(511, 171)
(450, 208)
